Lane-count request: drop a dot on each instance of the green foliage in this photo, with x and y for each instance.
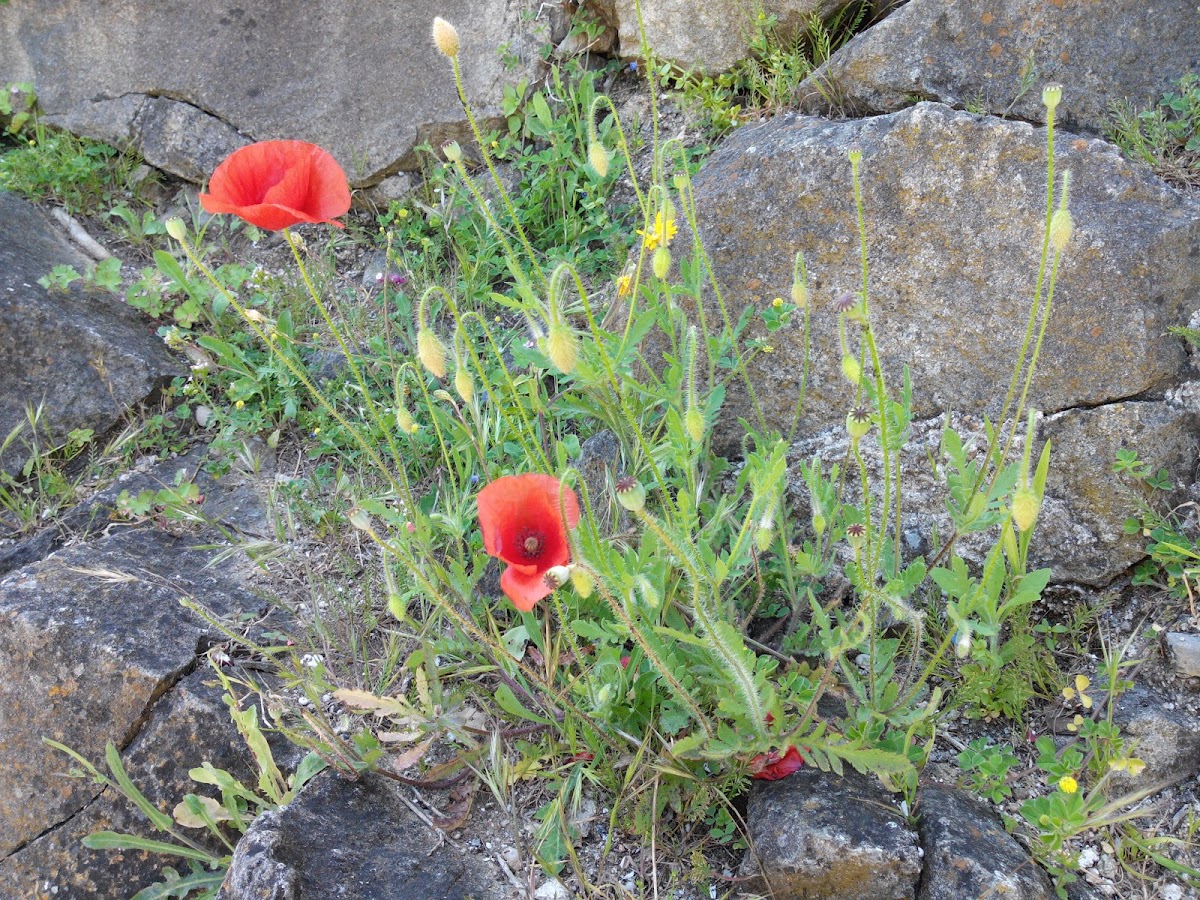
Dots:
(1172, 545)
(986, 767)
(1167, 136)
(232, 813)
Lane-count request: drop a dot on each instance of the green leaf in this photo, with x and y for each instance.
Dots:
(158, 819)
(511, 705)
(111, 840)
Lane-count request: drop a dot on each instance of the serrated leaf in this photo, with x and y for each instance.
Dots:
(111, 840)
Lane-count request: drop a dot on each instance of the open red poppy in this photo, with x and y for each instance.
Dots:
(523, 526)
(277, 184)
(772, 766)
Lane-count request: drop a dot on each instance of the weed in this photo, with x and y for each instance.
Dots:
(1165, 137)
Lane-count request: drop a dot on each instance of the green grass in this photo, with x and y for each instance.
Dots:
(1167, 136)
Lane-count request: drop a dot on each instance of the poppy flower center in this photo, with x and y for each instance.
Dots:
(532, 544)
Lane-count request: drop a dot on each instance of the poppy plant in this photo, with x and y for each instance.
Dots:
(523, 525)
(277, 184)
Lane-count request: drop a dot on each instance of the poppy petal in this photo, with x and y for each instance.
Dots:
(515, 504)
(524, 589)
(774, 767)
(276, 184)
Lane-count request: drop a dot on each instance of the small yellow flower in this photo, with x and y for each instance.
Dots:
(403, 214)
(1075, 724)
(777, 302)
(624, 286)
(1129, 764)
(767, 348)
(1068, 785)
(663, 231)
(316, 431)
(1081, 685)
(240, 404)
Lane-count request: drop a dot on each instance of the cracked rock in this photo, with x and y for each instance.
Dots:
(90, 638)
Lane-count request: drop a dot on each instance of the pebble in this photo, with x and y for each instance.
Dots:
(552, 890)
(1088, 857)
(511, 857)
(1171, 892)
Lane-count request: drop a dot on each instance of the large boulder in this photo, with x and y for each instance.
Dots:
(90, 639)
(954, 206)
(187, 82)
(82, 357)
(994, 57)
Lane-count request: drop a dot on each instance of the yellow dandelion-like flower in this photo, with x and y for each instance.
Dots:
(1081, 685)
(663, 231)
(777, 302)
(624, 286)
(240, 404)
(1068, 785)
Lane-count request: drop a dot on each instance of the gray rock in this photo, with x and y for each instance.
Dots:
(1079, 532)
(969, 854)
(1185, 653)
(83, 357)
(355, 840)
(709, 36)
(1167, 738)
(187, 726)
(815, 836)
(185, 80)
(90, 638)
(954, 207)
(974, 52)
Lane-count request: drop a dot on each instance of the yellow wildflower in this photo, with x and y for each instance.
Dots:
(1081, 685)
(1130, 764)
(624, 285)
(663, 231)
(777, 302)
(1068, 785)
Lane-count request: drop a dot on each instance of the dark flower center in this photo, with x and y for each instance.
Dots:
(532, 544)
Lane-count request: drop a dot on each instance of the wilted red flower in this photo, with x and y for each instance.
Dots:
(521, 523)
(277, 184)
(771, 766)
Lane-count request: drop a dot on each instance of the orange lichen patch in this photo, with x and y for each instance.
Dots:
(63, 690)
(1064, 57)
(1079, 145)
(994, 51)
(1004, 32)
(753, 284)
(987, 18)
(1096, 331)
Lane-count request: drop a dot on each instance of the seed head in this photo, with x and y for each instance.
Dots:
(1051, 96)
(176, 229)
(856, 534)
(858, 422)
(556, 576)
(630, 494)
(452, 151)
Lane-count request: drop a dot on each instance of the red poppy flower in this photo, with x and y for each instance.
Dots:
(521, 523)
(771, 766)
(277, 184)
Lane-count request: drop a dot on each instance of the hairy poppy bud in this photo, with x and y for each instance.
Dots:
(445, 36)
(852, 370)
(962, 643)
(799, 292)
(464, 384)
(630, 494)
(763, 535)
(693, 423)
(1062, 227)
(818, 523)
(562, 348)
(431, 352)
(662, 262)
(1025, 508)
(404, 421)
(598, 157)
(176, 229)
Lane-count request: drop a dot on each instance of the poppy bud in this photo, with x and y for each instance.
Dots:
(556, 576)
(445, 36)
(662, 262)
(1051, 95)
(452, 151)
(818, 523)
(763, 535)
(582, 581)
(562, 348)
(464, 384)
(693, 422)
(360, 520)
(858, 422)
(852, 370)
(405, 421)
(1025, 507)
(598, 158)
(630, 494)
(431, 352)
(176, 229)
(962, 643)
(1062, 227)
(799, 292)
